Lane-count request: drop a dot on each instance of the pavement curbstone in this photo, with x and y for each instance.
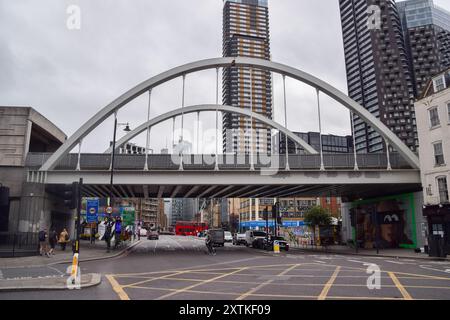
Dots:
(48, 283)
(426, 258)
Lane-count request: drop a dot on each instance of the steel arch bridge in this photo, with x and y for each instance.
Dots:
(294, 177)
(216, 63)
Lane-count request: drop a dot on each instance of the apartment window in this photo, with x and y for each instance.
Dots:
(443, 189)
(438, 154)
(434, 117)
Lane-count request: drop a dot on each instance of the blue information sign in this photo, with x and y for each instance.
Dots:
(92, 211)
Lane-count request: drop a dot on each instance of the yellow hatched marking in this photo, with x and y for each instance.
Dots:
(250, 292)
(117, 288)
(200, 283)
(328, 285)
(400, 287)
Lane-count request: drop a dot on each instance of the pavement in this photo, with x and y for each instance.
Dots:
(178, 268)
(88, 252)
(44, 273)
(386, 253)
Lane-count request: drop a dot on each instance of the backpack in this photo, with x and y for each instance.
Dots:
(41, 235)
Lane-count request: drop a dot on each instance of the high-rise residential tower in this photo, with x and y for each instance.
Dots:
(246, 34)
(427, 33)
(378, 72)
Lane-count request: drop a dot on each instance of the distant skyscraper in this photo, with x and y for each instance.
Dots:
(427, 33)
(246, 34)
(378, 72)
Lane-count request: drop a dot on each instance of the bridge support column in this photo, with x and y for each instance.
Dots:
(147, 145)
(79, 155)
(285, 124)
(182, 124)
(388, 155)
(216, 168)
(252, 162)
(322, 166)
(356, 168)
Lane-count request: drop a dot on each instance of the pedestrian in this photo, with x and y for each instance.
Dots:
(43, 242)
(93, 233)
(63, 239)
(118, 232)
(108, 234)
(138, 231)
(53, 240)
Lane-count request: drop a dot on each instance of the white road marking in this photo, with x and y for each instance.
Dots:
(1, 274)
(323, 262)
(156, 244)
(433, 269)
(356, 261)
(396, 262)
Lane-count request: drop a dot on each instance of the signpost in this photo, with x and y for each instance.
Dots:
(92, 210)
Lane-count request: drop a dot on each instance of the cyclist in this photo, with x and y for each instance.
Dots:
(209, 244)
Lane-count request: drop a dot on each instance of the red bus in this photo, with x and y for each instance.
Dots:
(189, 228)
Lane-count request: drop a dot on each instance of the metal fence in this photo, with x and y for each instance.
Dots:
(226, 162)
(19, 244)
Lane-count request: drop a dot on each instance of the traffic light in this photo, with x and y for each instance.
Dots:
(275, 210)
(71, 195)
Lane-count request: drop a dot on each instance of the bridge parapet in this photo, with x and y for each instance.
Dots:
(162, 162)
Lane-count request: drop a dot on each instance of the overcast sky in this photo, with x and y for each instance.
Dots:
(69, 75)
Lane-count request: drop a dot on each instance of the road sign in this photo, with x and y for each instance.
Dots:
(92, 211)
(109, 210)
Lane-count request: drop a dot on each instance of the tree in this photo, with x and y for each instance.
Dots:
(317, 216)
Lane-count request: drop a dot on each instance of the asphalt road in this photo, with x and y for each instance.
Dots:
(178, 268)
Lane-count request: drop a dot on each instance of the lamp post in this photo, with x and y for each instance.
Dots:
(127, 129)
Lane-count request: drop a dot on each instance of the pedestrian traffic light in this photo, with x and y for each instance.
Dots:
(71, 195)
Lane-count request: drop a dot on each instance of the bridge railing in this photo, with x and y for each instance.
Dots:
(225, 162)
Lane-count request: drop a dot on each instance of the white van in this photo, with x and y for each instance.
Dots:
(252, 235)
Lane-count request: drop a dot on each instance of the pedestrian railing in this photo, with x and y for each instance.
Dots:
(19, 244)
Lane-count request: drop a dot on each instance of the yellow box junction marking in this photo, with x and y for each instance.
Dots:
(328, 285)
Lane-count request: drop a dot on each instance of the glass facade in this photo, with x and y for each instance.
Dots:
(418, 13)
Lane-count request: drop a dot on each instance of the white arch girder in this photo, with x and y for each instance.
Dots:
(299, 75)
(212, 107)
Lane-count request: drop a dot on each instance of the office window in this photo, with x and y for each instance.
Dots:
(434, 117)
(438, 154)
(443, 189)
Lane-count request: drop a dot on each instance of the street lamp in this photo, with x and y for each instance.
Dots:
(127, 129)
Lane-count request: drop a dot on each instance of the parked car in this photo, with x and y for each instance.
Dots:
(268, 244)
(252, 235)
(153, 235)
(238, 239)
(228, 236)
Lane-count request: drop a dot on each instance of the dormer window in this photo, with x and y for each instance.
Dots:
(439, 83)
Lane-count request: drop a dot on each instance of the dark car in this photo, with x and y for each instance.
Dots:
(268, 244)
(153, 235)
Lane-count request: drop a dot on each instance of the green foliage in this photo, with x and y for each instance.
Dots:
(317, 216)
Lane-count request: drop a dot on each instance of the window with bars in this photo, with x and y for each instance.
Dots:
(438, 154)
(434, 117)
(443, 189)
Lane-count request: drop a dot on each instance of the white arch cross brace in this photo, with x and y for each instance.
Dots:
(301, 76)
(212, 107)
